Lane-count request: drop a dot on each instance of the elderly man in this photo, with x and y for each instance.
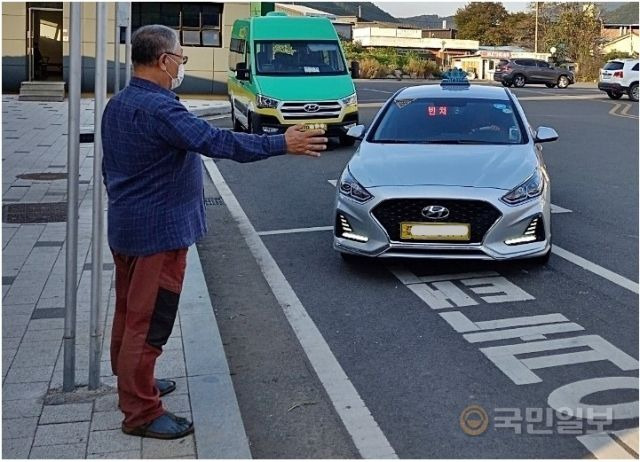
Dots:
(153, 177)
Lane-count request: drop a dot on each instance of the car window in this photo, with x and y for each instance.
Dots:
(635, 68)
(543, 64)
(449, 121)
(613, 66)
(525, 62)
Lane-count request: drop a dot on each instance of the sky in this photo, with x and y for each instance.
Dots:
(407, 9)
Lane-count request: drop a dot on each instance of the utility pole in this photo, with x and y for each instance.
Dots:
(127, 46)
(536, 35)
(73, 160)
(95, 335)
(116, 51)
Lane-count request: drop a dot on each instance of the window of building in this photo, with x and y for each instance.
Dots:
(197, 24)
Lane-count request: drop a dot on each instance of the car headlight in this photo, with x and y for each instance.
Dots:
(351, 188)
(264, 102)
(351, 100)
(531, 188)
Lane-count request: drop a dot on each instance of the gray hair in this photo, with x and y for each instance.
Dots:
(149, 42)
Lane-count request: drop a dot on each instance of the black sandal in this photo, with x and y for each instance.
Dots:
(165, 386)
(165, 427)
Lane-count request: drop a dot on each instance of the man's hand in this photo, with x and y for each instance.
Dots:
(308, 143)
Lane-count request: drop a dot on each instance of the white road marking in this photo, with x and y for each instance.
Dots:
(557, 209)
(462, 324)
(630, 437)
(559, 98)
(457, 276)
(520, 370)
(502, 289)
(356, 417)
(295, 230)
(623, 113)
(371, 105)
(596, 269)
(568, 398)
(379, 91)
(524, 333)
(604, 447)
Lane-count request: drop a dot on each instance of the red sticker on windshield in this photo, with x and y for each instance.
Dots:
(434, 111)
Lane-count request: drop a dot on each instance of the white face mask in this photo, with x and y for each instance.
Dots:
(177, 80)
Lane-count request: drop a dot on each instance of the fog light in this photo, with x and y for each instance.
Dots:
(345, 231)
(531, 234)
(269, 129)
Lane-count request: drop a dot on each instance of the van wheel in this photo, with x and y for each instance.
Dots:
(237, 126)
(550, 85)
(563, 81)
(519, 81)
(253, 126)
(633, 92)
(614, 94)
(347, 141)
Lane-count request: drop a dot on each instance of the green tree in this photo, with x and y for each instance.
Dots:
(484, 22)
(521, 27)
(574, 30)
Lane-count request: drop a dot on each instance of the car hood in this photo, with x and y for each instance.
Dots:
(480, 166)
(306, 87)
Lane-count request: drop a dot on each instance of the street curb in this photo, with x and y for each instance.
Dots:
(219, 430)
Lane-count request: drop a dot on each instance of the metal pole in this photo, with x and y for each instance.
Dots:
(73, 154)
(127, 49)
(98, 195)
(116, 53)
(536, 35)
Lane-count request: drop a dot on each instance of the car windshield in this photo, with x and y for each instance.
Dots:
(449, 121)
(299, 58)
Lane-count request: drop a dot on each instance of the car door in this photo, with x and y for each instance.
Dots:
(545, 73)
(529, 69)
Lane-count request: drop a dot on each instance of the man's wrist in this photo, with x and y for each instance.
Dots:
(278, 144)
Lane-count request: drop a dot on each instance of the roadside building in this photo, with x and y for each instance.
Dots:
(629, 42)
(405, 38)
(343, 26)
(204, 29)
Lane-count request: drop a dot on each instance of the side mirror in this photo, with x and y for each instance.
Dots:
(356, 132)
(242, 73)
(545, 134)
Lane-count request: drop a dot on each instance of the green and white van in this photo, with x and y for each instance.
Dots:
(286, 70)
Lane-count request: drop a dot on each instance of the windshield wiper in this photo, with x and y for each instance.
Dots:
(391, 141)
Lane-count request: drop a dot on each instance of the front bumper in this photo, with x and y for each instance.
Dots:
(609, 86)
(270, 125)
(511, 223)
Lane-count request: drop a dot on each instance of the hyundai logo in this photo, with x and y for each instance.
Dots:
(311, 107)
(435, 212)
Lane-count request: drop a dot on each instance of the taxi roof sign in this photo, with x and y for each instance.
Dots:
(456, 77)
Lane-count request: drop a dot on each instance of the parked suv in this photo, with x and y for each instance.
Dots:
(620, 76)
(518, 72)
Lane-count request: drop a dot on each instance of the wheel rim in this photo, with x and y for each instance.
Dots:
(634, 92)
(563, 82)
(519, 81)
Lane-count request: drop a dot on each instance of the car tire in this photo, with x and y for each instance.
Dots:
(519, 81)
(253, 126)
(614, 94)
(563, 81)
(506, 84)
(633, 92)
(347, 141)
(550, 85)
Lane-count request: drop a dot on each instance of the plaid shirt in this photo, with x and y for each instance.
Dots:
(151, 170)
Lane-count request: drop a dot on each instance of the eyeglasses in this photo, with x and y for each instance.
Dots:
(184, 58)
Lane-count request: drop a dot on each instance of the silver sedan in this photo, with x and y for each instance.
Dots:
(446, 171)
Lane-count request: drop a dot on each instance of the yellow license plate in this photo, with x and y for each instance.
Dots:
(435, 231)
(314, 127)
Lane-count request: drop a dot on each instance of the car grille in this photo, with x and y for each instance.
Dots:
(326, 110)
(479, 214)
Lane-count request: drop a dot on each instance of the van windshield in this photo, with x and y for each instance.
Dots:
(299, 58)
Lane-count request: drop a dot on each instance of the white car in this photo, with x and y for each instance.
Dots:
(446, 171)
(620, 76)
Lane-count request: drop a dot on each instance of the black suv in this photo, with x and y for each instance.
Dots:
(518, 72)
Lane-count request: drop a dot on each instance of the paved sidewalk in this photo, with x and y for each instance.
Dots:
(39, 421)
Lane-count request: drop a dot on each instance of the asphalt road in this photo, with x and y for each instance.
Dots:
(410, 360)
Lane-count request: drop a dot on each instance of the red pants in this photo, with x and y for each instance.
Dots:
(147, 293)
